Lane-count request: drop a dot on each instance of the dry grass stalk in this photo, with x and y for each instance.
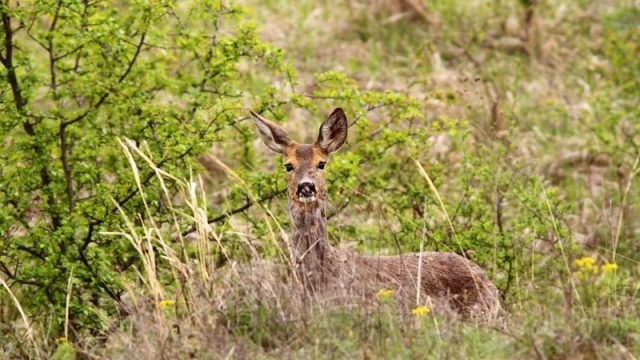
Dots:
(25, 320)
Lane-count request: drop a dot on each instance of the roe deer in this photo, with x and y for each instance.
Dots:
(445, 280)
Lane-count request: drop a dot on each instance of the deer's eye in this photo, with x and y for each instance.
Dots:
(321, 165)
(289, 167)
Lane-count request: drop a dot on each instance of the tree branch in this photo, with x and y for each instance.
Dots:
(339, 209)
(20, 102)
(12, 275)
(30, 251)
(104, 96)
(64, 149)
(224, 216)
(7, 61)
(50, 48)
(66, 168)
(244, 207)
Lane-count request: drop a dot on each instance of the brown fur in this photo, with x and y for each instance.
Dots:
(445, 281)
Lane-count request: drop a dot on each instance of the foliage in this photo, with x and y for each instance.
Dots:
(79, 75)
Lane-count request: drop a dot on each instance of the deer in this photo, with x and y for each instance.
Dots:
(442, 280)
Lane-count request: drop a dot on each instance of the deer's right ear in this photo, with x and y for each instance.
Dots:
(333, 131)
(273, 135)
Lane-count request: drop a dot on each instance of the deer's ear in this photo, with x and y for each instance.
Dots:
(272, 134)
(333, 131)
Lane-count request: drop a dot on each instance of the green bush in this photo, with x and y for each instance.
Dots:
(78, 75)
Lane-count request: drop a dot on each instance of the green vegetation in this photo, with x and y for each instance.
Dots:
(140, 215)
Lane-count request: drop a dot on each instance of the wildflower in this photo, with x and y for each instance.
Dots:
(165, 303)
(586, 264)
(421, 310)
(609, 267)
(385, 293)
(586, 261)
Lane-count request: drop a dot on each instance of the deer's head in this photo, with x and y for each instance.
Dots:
(305, 163)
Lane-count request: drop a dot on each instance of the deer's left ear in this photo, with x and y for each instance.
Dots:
(333, 131)
(273, 135)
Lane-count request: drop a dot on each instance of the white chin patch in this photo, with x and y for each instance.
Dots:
(306, 200)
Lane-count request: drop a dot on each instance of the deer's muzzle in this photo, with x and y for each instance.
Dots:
(306, 191)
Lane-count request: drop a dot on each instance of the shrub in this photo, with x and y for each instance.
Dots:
(79, 75)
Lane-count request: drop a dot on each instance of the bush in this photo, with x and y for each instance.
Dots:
(79, 75)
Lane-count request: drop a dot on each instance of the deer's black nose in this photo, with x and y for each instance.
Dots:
(306, 189)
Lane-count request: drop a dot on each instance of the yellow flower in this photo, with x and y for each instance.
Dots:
(609, 267)
(586, 264)
(421, 310)
(164, 303)
(61, 340)
(385, 293)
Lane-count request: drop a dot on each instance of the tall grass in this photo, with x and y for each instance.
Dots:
(249, 309)
(29, 330)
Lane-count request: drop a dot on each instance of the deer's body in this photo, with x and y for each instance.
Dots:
(444, 280)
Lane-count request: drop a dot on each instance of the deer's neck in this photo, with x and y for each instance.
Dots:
(310, 242)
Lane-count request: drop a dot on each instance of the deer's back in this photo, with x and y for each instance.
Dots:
(442, 279)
